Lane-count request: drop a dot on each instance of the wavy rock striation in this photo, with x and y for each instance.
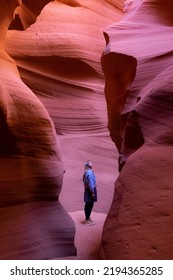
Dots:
(58, 59)
(34, 225)
(137, 64)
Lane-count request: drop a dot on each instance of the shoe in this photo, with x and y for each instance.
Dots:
(89, 223)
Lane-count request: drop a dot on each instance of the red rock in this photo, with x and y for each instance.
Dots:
(33, 223)
(138, 68)
(59, 99)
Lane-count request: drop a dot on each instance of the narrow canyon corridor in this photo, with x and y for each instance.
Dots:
(86, 80)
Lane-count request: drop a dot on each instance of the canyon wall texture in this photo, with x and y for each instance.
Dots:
(58, 58)
(31, 169)
(137, 63)
(53, 118)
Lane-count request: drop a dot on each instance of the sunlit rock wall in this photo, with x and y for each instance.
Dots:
(59, 59)
(137, 64)
(31, 170)
(57, 50)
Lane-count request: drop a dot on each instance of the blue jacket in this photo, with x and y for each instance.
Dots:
(89, 181)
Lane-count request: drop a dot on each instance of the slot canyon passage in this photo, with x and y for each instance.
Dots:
(86, 80)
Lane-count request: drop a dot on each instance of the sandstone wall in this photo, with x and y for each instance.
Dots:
(58, 58)
(55, 94)
(137, 63)
(31, 169)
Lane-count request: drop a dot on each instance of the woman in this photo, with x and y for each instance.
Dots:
(90, 191)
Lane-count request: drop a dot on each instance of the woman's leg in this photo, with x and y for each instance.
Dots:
(88, 209)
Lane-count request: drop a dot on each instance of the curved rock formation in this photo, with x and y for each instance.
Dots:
(58, 58)
(137, 63)
(31, 170)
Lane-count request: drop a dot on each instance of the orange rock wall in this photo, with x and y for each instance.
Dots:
(31, 172)
(137, 63)
(58, 58)
(56, 93)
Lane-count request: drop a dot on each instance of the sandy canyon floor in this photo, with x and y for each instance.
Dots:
(75, 150)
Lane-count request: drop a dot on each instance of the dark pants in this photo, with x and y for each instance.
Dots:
(88, 209)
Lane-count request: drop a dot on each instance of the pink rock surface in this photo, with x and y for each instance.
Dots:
(57, 60)
(137, 63)
(31, 172)
(60, 99)
(55, 118)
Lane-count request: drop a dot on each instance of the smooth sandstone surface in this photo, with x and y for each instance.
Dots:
(137, 63)
(54, 115)
(31, 172)
(53, 118)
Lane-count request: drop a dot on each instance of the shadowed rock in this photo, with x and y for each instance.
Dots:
(139, 223)
(34, 225)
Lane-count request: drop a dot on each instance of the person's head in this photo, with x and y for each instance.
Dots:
(88, 164)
